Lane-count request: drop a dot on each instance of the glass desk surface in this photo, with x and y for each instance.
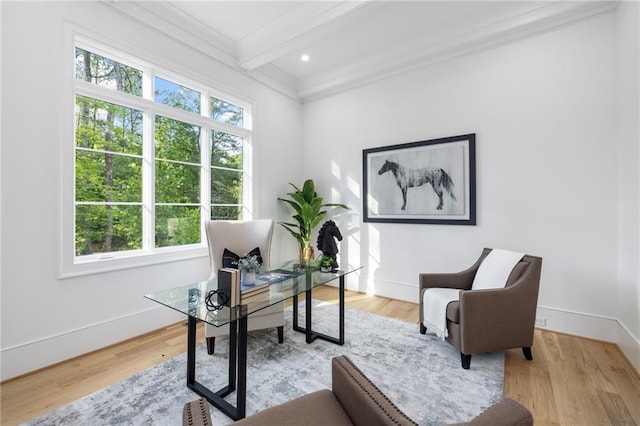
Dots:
(293, 280)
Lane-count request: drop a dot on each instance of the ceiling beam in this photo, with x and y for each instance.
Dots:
(304, 24)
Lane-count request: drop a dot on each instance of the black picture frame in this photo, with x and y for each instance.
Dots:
(447, 162)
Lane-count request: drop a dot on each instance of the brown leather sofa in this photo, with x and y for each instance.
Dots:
(352, 400)
(489, 320)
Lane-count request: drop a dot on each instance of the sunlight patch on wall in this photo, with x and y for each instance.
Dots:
(335, 170)
(353, 186)
(372, 261)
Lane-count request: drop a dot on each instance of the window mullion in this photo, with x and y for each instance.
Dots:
(205, 178)
(205, 166)
(148, 168)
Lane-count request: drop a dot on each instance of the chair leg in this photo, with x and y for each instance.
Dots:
(423, 329)
(466, 360)
(281, 334)
(527, 353)
(211, 344)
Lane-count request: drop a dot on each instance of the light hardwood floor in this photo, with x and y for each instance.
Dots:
(571, 380)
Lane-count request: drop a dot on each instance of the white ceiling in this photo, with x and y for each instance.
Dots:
(349, 42)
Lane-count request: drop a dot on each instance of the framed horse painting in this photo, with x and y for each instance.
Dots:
(431, 181)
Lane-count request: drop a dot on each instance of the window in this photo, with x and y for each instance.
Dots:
(155, 156)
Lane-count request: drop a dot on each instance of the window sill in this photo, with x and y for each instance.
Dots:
(105, 263)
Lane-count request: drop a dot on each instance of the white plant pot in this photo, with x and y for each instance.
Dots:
(248, 278)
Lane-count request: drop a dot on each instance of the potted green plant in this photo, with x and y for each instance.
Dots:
(325, 263)
(249, 267)
(309, 213)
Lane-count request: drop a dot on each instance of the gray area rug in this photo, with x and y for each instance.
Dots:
(419, 373)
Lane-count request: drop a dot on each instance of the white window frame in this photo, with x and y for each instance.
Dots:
(72, 265)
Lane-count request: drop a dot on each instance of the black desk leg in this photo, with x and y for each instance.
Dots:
(237, 369)
(308, 333)
(191, 350)
(341, 339)
(311, 335)
(241, 400)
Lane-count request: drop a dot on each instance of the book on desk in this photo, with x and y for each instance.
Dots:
(229, 283)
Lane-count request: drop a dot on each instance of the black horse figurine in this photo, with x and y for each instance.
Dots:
(326, 242)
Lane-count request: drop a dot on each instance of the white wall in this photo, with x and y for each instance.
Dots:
(45, 319)
(543, 110)
(628, 113)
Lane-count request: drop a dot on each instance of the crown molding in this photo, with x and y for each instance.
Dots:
(417, 53)
(166, 18)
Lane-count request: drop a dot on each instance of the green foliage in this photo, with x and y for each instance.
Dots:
(177, 225)
(249, 264)
(309, 212)
(324, 262)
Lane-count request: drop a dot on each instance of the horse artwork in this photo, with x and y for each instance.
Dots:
(411, 178)
(326, 242)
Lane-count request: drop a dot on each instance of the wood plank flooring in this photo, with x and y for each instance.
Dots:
(571, 381)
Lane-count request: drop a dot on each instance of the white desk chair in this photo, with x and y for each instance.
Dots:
(240, 237)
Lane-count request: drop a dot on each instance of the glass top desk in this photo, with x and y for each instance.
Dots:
(191, 301)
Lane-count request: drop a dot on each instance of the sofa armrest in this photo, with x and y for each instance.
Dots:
(505, 413)
(461, 280)
(363, 402)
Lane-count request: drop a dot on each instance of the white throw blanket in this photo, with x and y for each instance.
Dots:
(495, 269)
(434, 305)
(492, 273)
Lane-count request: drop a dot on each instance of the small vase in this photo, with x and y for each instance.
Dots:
(306, 255)
(248, 278)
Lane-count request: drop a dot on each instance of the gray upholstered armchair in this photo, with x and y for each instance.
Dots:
(241, 237)
(493, 319)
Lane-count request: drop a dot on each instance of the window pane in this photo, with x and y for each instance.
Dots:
(226, 213)
(108, 73)
(177, 96)
(177, 225)
(176, 140)
(226, 150)
(108, 177)
(226, 186)
(177, 183)
(109, 127)
(103, 229)
(226, 112)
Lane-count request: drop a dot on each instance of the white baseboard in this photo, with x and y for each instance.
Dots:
(31, 356)
(398, 291)
(629, 345)
(578, 323)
